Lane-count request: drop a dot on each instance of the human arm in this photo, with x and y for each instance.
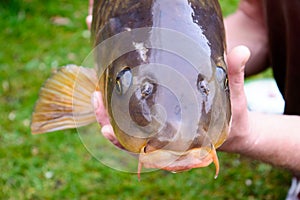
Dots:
(273, 139)
(247, 27)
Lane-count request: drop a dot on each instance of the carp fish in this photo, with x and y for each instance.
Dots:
(170, 124)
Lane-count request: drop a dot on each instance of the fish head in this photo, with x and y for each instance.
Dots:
(171, 107)
(168, 111)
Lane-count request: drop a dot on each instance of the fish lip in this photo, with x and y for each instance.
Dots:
(176, 161)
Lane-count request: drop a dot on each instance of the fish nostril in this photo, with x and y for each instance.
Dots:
(147, 89)
(202, 85)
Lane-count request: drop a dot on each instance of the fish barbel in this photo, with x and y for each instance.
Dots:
(149, 108)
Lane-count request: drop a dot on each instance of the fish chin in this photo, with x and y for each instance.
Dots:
(179, 161)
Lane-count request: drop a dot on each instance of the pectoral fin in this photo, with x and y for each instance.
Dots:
(65, 100)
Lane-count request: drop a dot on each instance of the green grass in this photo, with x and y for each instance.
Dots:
(56, 165)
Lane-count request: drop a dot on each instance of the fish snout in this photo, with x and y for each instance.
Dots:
(155, 110)
(174, 141)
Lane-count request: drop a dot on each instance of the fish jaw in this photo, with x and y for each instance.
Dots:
(177, 162)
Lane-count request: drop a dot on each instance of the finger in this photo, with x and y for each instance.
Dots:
(236, 60)
(108, 133)
(91, 3)
(100, 111)
(103, 120)
(88, 20)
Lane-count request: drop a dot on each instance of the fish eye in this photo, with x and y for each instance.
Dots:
(123, 81)
(221, 76)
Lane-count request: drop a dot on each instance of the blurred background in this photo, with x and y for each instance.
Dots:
(37, 37)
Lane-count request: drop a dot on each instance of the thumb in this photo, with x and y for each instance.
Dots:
(236, 61)
(100, 111)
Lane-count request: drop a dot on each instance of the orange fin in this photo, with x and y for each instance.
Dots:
(65, 96)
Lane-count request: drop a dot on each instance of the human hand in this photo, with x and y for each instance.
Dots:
(246, 26)
(257, 135)
(240, 125)
(103, 119)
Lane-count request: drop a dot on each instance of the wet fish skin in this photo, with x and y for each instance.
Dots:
(200, 20)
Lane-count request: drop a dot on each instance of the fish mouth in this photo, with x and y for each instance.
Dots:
(178, 161)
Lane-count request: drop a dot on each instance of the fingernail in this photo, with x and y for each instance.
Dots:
(107, 131)
(247, 54)
(244, 63)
